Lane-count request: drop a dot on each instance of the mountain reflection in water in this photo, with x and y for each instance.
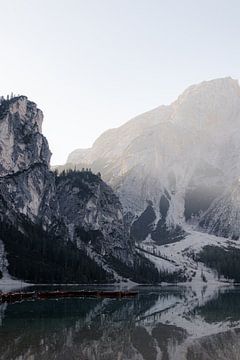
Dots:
(162, 323)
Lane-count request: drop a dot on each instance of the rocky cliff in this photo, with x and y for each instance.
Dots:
(26, 184)
(75, 212)
(93, 214)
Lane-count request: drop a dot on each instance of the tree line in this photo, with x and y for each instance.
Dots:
(40, 257)
(225, 261)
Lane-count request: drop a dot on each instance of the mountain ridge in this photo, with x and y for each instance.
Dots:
(187, 150)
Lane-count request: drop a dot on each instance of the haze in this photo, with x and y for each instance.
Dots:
(92, 65)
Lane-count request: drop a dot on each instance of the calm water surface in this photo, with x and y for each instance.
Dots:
(161, 323)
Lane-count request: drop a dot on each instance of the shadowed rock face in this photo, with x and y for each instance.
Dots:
(142, 227)
(147, 225)
(93, 215)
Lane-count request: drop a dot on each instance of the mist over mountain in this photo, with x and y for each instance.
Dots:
(187, 152)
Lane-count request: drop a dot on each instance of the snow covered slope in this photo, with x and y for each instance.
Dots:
(183, 256)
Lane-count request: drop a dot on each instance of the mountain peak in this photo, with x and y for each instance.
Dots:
(226, 85)
(213, 101)
(21, 141)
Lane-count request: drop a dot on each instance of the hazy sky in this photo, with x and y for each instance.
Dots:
(92, 65)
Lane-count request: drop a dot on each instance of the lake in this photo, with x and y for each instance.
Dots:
(164, 323)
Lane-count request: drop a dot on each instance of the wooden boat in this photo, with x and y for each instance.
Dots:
(20, 296)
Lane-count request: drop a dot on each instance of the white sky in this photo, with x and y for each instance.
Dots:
(92, 65)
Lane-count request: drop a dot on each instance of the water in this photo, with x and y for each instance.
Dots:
(162, 323)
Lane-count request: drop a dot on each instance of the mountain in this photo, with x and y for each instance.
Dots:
(182, 159)
(161, 203)
(66, 227)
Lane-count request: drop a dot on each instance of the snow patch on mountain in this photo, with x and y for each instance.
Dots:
(181, 256)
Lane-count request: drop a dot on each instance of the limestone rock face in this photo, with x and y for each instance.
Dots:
(21, 141)
(26, 183)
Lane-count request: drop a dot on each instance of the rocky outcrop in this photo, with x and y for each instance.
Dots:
(93, 215)
(26, 184)
(22, 143)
